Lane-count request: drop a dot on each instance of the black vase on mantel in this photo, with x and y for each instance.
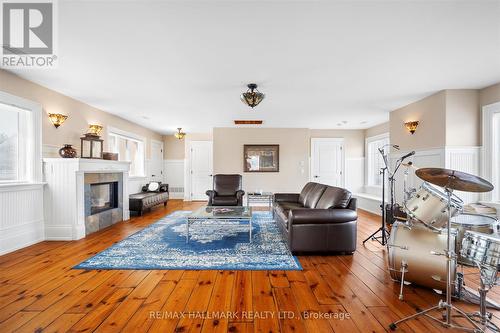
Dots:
(67, 151)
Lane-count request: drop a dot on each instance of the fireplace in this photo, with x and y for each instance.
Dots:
(103, 200)
(103, 197)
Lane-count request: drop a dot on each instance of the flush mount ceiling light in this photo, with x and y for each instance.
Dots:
(179, 135)
(252, 97)
(411, 126)
(57, 119)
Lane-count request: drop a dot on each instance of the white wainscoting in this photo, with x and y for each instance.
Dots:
(21, 216)
(464, 159)
(174, 177)
(355, 174)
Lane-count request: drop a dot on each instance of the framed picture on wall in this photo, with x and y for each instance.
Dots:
(261, 158)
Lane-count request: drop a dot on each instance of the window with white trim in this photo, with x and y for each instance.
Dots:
(374, 160)
(490, 161)
(129, 149)
(13, 150)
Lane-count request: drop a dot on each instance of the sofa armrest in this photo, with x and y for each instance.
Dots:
(286, 197)
(321, 216)
(352, 204)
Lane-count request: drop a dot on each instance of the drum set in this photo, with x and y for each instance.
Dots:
(437, 239)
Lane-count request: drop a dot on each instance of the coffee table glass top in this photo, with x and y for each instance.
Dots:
(222, 212)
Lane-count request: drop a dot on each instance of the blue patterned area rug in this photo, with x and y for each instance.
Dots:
(212, 245)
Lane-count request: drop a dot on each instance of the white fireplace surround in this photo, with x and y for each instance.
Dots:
(64, 204)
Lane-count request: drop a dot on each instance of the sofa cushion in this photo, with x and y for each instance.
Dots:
(305, 191)
(314, 195)
(229, 200)
(323, 216)
(334, 197)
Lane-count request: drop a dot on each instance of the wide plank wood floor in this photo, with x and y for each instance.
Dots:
(40, 292)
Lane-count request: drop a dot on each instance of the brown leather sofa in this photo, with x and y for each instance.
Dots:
(320, 218)
(226, 191)
(141, 201)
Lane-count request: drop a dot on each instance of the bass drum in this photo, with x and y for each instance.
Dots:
(413, 246)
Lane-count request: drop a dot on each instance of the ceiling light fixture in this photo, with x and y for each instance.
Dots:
(57, 119)
(179, 135)
(248, 122)
(252, 97)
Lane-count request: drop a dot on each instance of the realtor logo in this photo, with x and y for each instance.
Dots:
(28, 34)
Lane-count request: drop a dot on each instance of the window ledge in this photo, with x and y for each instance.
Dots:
(20, 186)
(137, 177)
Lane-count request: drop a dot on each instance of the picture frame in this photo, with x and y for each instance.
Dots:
(261, 158)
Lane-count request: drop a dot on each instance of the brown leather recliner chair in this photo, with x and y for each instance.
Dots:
(321, 218)
(226, 191)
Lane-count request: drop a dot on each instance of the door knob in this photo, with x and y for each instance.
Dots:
(316, 176)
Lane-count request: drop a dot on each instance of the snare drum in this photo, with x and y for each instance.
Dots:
(482, 249)
(414, 246)
(483, 224)
(430, 206)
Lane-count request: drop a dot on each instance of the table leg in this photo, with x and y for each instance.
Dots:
(250, 231)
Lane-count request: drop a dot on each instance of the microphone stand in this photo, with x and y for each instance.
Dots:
(382, 239)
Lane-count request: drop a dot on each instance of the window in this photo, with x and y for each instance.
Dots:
(13, 149)
(129, 148)
(374, 160)
(490, 160)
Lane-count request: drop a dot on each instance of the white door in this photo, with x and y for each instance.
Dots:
(327, 161)
(156, 162)
(201, 169)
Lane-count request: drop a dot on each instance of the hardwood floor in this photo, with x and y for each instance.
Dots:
(40, 292)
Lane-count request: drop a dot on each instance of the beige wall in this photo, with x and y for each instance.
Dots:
(173, 148)
(431, 113)
(489, 95)
(377, 130)
(294, 156)
(80, 114)
(294, 153)
(462, 117)
(354, 140)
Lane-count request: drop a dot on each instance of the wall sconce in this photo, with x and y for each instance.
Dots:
(411, 126)
(94, 130)
(180, 135)
(57, 119)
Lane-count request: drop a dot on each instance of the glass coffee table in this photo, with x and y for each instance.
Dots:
(221, 213)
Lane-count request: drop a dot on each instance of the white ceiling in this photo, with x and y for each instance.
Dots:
(320, 63)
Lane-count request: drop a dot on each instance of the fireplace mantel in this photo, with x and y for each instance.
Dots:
(64, 197)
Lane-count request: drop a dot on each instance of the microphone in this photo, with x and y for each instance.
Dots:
(408, 155)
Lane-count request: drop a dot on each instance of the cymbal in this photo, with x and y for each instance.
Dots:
(455, 180)
(410, 165)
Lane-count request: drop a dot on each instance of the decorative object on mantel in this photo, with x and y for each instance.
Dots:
(252, 97)
(261, 158)
(110, 156)
(179, 135)
(411, 126)
(94, 130)
(91, 146)
(67, 151)
(57, 119)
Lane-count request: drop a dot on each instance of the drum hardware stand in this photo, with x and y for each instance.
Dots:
(486, 283)
(447, 306)
(466, 294)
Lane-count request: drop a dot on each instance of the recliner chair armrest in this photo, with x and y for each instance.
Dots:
(352, 204)
(286, 197)
(240, 194)
(320, 216)
(211, 193)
